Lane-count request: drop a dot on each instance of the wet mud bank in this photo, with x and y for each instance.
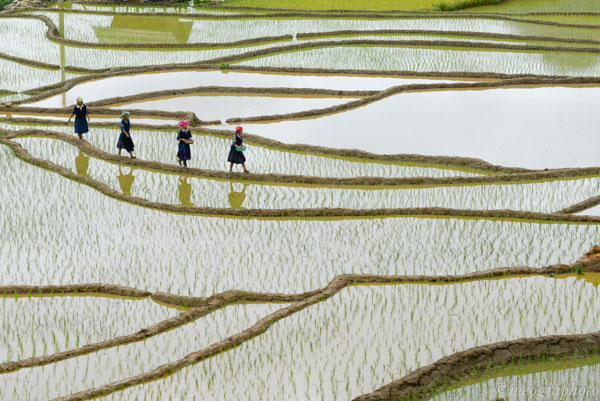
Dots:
(316, 213)
(448, 367)
(424, 382)
(53, 34)
(236, 296)
(231, 90)
(515, 176)
(93, 288)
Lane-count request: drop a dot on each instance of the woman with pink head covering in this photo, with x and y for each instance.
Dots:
(185, 140)
(236, 153)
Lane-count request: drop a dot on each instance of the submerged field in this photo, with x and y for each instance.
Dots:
(422, 187)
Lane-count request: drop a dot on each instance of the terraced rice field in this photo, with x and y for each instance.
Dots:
(422, 188)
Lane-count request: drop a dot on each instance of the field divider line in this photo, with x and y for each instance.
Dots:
(299, 180)
(467, 164)
(443, 44)
(512, 83)
(303, 214)
(66, 111)
(202, 306)
(218, 6)
(264, 324)
(467, 34)
(47, 91)
(142, 335)
(318, 15)
(581, 206)
(53, 34)
(231, 90)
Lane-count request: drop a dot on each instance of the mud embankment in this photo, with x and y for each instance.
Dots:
(94, 288)
(53, 35)
(314, 14)
(450, 366)
(424, 382)
(202, 306)
(581, 206)
(99, 111)
(305, 214)
(231, 90)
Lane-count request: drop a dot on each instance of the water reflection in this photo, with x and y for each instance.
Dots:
(185, 192)
(126, 180)
(144, 29)
(236, 198)
(82, 163)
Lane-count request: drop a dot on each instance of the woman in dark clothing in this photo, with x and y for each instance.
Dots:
(185, 140)
(125, 141)
(236, 154)
(81, 118)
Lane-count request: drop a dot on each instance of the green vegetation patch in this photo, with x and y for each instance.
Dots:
(4, 3)
(459, 5)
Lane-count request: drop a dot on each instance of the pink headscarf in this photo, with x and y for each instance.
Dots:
(182, 123)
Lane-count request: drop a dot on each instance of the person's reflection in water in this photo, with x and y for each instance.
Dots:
(81, 163)
(236, 198)
(126, 180)
(185, 192)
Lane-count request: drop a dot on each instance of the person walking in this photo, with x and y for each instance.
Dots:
(236, 153)
(125, 141)
(81, 118)
(185, 140)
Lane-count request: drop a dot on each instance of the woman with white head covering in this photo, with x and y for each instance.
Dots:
(81, 118)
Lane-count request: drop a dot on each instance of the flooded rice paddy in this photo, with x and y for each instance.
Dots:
(474, 118)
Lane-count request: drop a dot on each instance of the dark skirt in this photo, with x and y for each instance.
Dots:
(184, 152)
(125, 143)
(81, 125)
(235, 156)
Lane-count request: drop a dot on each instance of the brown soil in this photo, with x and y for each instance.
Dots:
(470, 34)
(421, 381)
(374, 182)
(581, 206)
(108, 289)
(424, 381)
(231, 90)
(317, 213)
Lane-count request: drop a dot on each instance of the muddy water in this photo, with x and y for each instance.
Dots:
(532, 128)
(134, 84)
(407, 326)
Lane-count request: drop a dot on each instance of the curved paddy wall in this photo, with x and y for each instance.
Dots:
(423, 381)
(471, 361)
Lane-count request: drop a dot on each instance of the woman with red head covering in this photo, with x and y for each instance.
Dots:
(236, 153)
(184, 137)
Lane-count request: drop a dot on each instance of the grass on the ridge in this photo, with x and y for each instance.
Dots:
(362, 4)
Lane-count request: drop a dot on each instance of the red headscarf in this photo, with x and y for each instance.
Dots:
(238, 129)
